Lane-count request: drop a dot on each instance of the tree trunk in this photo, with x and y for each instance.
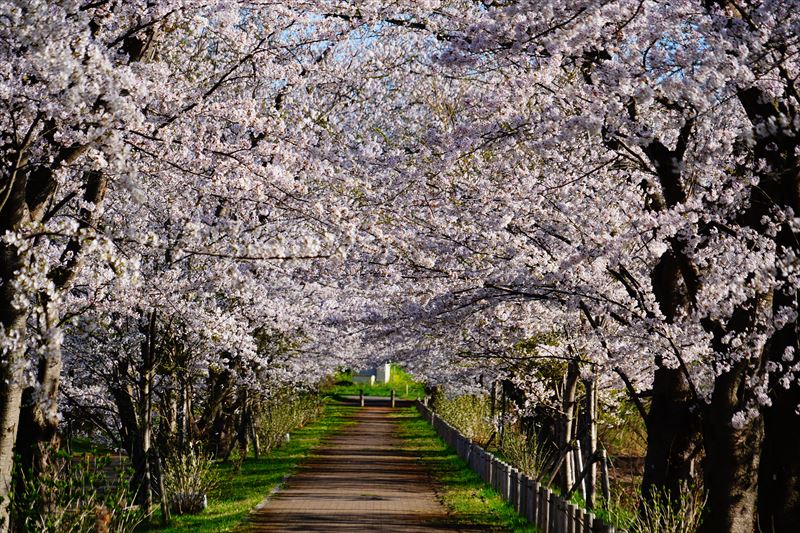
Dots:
(11, 376)
(673, 424)
(145, 415)
(590, 439)
(732, 458)
(10, 401)
(243, 429)
(503, 410)
(493, 400)
(254, 438)
(14, 212)
(39, 436)
(672, 434)
(779, 469)
(779, 473)
(183, 415)
(567, 478)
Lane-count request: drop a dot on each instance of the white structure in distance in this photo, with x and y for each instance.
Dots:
(379, 374)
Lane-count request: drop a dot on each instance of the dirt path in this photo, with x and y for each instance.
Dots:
(359, 480)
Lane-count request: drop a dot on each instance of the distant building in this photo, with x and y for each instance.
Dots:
(380, 374)
(364, 376)
(383, 373)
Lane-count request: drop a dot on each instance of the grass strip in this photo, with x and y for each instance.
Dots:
(241, 491)
(381, 389)
(400, 381)
(470, 501)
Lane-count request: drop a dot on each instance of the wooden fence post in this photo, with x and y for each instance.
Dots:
(537, 504)
(535, 495)
(580, 518)
(507, 482)
(604, 476)
(544, 510)
(588, 520)
(512, 488)
(579, 482)
(569, 516)
(563, 517)
(590, 440)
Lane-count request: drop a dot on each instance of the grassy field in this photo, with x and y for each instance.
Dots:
(243, 490)
(399, 380)
(462, 491)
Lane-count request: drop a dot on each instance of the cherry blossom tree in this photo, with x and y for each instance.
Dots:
(632, 165)
(465, 186)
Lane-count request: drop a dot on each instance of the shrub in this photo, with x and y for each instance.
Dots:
(660, 515)
(188, 478)
(75, 494)
(469, 414)
(281, 416)
(528, 453)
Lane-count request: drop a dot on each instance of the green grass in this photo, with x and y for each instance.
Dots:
(401, 381)
(466, 496)
(241, 491)
(82, 445)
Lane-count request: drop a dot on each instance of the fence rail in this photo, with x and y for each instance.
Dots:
(539, 505)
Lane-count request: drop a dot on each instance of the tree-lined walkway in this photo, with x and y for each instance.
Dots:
(360, 480)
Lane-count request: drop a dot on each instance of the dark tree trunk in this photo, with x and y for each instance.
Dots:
(28, 189)
(732, 457)
(253, 429)
(39, 436)
(589, 440)
(673, 422)
(779, 472)
(243, 427)
(779, 475)
(145, 415)
(673, 431)
(568, 403)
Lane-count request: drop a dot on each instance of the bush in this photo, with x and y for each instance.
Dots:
(281, 416)
(528, 453)
(75, 494)
(188, 478)
(469, 414)
(660, 515)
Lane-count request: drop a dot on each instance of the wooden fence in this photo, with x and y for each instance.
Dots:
(540, 506)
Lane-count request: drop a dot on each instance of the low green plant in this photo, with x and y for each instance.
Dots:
(75, 494)
(528, 453)
(189, 477)
(471, 415)
(284, 414)
(240, 491)
(663, 514)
